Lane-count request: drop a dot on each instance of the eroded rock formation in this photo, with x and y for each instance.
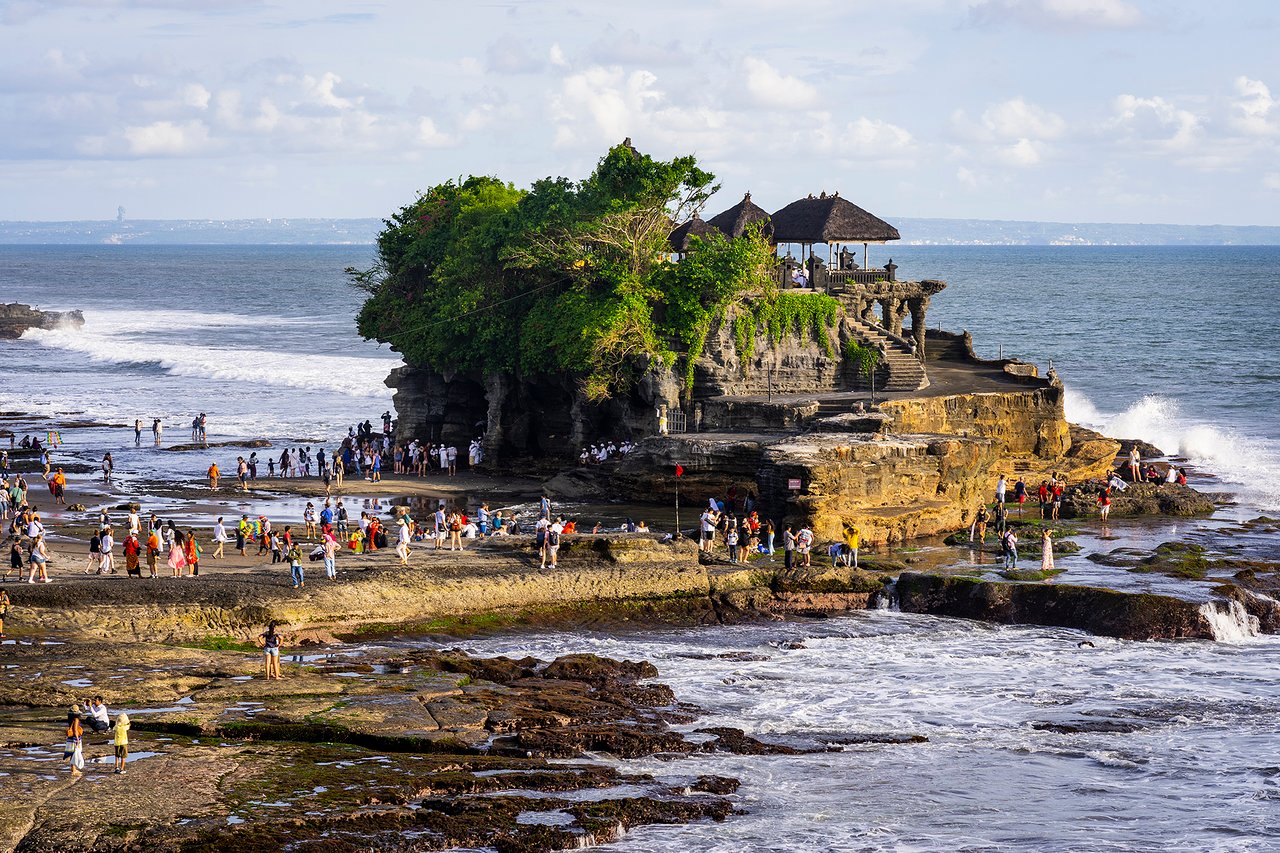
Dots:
(16, 318)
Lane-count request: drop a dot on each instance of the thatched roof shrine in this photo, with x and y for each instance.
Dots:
(829, 219)
(695, 227)
(735, 221)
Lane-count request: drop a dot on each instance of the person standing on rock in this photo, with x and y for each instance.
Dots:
(1059, 486)
(132, 549)
(214, 473)
(1135, 464)
(137, 432)
(804, 544)
(121, 741)
(1009, 549)
(1104, 503)
(1046, 557)
(191, 550)
(1020, 494)
(852, 539)
(4, 609)
(554, 532)
(270, 652)
(788, 548)
(1000, 489)
(153, 550)
(731, 540)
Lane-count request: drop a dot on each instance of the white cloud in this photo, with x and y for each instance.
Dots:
(322, 90)
(1158, 121)
(967, 177)
(603, 104)
(195, 95)
(1024, 152)
(1255, 111)
(1058, 14)
(769, 87)
(1272, 181)
(165, 138)
(431, 137)
(1018, 119)
(556, 56)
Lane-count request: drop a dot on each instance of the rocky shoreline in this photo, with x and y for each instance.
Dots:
(16, 318)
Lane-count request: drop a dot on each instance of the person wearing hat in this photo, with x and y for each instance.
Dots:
(242, 534)
(402, 540)
(73, 753)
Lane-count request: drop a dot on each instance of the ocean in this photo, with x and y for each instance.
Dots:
(1175, 345)
(1034, 741)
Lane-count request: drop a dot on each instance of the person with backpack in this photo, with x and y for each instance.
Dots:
(295, 566)
(553, 541)
(1009, 548)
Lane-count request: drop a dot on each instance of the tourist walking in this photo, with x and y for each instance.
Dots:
(191, 551)
(220, 539)
(214, 474)
(4, 609)
(73, 752)
(270, 652)
(107, 564)
(402, 541)
(38, 560)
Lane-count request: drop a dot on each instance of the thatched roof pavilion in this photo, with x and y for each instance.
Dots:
(678, 240)
(830, 219)
(735, 221)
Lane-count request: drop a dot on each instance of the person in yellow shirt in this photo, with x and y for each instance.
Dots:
(852, 539)
(213, 475)
(122, 741)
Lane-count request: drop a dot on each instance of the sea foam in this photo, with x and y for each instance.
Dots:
(1249, 463)
(118, 337)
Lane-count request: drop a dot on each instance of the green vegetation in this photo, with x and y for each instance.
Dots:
(216, 643)
(864, 359)
(782, 314)
(565, 277)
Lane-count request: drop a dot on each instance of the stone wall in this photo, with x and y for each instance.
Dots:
(796, 364)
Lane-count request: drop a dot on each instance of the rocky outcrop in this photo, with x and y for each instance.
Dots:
(1138, 499)
(16, 318)
(1027, 422)
(1129, 616)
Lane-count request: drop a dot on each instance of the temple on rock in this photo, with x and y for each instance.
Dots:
(825, 231)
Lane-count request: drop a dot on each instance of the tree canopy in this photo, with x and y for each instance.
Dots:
(565, 277)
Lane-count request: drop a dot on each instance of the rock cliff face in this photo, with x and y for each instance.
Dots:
(16, 318)
(1031, 422)
(798, 363)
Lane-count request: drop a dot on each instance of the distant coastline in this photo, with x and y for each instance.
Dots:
(337, 232)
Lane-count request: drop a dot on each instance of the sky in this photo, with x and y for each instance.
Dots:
(1059, 110)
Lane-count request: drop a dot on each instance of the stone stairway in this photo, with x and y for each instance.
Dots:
(905, 372)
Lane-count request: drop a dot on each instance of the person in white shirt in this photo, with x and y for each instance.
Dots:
(219, 537)
(106, 563)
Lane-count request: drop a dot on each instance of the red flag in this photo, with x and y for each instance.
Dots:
(679, 470)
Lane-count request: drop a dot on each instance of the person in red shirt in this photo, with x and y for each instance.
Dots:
(1044, 497)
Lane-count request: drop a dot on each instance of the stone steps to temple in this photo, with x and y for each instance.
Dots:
(906, 373)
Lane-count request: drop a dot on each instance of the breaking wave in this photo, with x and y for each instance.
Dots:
(1251, 464)
(126, 343)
